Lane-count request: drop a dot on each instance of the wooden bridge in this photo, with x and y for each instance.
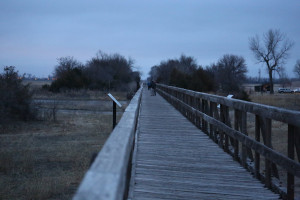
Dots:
(180, 145)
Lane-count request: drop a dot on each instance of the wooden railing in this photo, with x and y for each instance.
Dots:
(108, 177)
(215, 120)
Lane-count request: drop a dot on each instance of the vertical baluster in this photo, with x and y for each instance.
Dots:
(297, 141)
(291, 155)
(226, 121)
(216, 116)
(211, 113)
(203, 111)
(206, 112)
(197, 117)
(193, 106)
(236, 127)
(244, 130)
(257, 155)
(222, 118)
(190, 113)
(268, 164)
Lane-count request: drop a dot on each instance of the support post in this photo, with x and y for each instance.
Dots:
(114, 114)
(291, 155)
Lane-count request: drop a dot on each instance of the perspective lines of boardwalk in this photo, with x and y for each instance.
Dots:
(173, 159)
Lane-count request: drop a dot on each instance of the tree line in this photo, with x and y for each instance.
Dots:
(228, 74)
(102, 72)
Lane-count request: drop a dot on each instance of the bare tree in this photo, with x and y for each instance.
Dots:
(65, 65)
(230, 72)
(297, 68)
(273, 52)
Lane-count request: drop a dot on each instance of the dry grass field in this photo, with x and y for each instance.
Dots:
(47, 159)
(288, 101)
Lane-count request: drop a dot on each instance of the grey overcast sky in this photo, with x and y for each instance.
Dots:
(34, 33)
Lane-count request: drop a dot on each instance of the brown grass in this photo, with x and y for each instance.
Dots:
(47, 160)
(288, 101)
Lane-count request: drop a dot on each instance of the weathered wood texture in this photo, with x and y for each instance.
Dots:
(107, 177)
(175, 160)
(220, 130)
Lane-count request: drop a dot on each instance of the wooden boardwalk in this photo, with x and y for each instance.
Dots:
(173, 159)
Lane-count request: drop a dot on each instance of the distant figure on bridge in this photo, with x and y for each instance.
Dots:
(149, 85)
(153, 86)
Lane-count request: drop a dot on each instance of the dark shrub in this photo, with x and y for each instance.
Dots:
(15, 98)
(242, 95)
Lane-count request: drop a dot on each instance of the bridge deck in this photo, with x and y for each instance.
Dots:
(173, 159)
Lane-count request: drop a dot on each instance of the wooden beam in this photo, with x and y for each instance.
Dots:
(257, 155)
(291, 155)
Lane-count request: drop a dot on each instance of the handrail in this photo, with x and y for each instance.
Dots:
(201, 109)
(108, 177)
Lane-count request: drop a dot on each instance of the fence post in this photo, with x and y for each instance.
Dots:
(257, 155)
(268, 164)
(291, 155)
(222, 119)
(244, 130)
(236, 127)
(211, 113)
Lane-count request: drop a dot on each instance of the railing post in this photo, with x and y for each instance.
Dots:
(244, 130)
(226, 121)
(268, 164)
(224, 136)
(222, 119)
(211, 113)
(197, 107)
(204, 109)
(236, 127)
(291, 155)
(114, 114)
(257, 155)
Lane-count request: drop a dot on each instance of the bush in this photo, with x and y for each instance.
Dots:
(15, 98)
(104, 72)
(242, 95)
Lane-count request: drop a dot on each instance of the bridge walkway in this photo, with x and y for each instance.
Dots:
(173, 159)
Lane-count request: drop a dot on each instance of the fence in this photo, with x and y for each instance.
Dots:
(203, 110)
(108, 177)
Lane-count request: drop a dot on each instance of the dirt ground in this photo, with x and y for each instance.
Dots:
(47, 159)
